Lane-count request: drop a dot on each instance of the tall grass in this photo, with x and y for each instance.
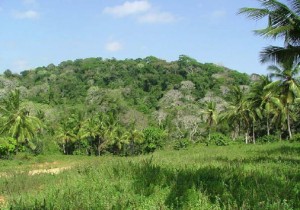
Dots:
(232, 177)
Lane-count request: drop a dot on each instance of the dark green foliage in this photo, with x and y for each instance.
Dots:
(267, 139)
(239, 78)
(182, 144)
(295, 138)
(219, 139)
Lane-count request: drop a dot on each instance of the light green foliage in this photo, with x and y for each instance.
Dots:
(8, 146)
(17, 121)
(154, 139)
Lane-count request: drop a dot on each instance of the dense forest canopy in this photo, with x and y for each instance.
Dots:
(144, 95)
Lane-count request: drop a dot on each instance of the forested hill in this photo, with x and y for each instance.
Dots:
(143, 85)
(140, 83)
(146, 92)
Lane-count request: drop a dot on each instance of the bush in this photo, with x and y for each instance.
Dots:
(182, 144)
(154, 139)
(295, 138)
(7, 147)
(267, 139)
(219, 139)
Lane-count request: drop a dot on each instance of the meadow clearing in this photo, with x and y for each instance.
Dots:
(200, 177)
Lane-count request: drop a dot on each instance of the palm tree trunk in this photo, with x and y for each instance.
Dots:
(253, 133)
(64, 148)
(289, 123)
(246, 136)
(99, 146)
(268, 126)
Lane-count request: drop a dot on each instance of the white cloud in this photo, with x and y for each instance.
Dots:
(128, 8)
(29, 14)
(157, 17)
(113, 46)
(217, 14)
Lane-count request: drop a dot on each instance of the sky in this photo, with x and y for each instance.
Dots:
(40, 32)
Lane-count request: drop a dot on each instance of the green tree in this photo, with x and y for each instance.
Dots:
(238, 113)
(211, 114)
(283, 22)
(287, 87)
(260, 100)
(17, 121)
(135, 137)
(66, 137)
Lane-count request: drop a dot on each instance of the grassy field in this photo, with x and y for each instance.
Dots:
(231, 177)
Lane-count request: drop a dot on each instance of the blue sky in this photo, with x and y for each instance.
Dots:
(39, 32)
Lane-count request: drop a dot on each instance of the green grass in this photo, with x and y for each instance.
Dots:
(231, 177)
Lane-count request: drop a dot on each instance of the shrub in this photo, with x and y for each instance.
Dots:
(267, 139)
(296, 138)
(7, 147)
(182, 144)
(219, 139)
(154, 139)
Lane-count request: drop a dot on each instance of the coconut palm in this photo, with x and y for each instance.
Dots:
(283, 22)
(260, 100)
(210, 114)
(17, 121)
(96, 129)
(238, 113)
(65, 136)
(135, 137)
(287, 87)
(118, 138)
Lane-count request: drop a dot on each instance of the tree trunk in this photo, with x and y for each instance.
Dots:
(253, 134)
(99, 146)
(289, 123)
(64, 148)
(268, 126)
(246, 136)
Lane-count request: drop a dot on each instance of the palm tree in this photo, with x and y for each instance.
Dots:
(17, 121)
(96, 129)
(118, 138)
(135, 137)
(284, 22)
(65, 136)
(287, 88)
(238, 114)
(211, 114)
(260, 100)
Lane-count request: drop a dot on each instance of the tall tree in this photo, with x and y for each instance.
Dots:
(286, 87)
(210, 114)
(17, 121)
(283, 22)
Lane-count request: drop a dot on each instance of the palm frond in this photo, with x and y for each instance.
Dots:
(280, 54)
(254, 13)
